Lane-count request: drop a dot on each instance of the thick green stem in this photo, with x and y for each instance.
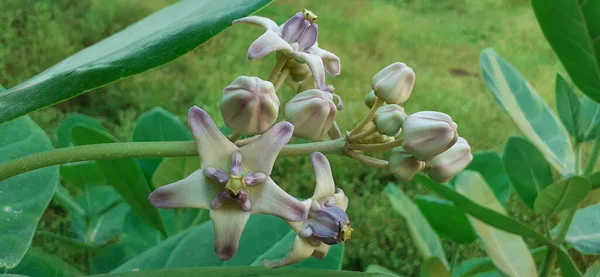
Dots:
(548, 262)
(281, 78)
(370, 129)
(112, 151)
(591, 164)
(370, 161)
(376, 146)
(564, 224)
(277, 69)
(378, 102)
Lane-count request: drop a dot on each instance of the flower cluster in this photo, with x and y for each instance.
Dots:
(235, 178)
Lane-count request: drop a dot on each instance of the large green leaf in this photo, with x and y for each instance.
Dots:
(561, 195)
(39, 263)
(509, 252)
(243, 271)
(264, 237)
(477, 266)
(433, 267)
(23, 198)
(151, 42)
(584, 232)
(528, 110)
(593, 271)
(572, 29)
(423, 235)
(566, 264)
(528, 170)
(567, 105)
(446, 219)
(590, 118)
(158, 124)
(489, 164)
(374, 268)
(125, 176)
(63, 134)
(595, 179)
(481, 212)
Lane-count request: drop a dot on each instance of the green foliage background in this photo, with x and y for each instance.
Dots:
(440, 39)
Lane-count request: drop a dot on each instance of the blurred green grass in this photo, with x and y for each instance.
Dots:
(440, 39)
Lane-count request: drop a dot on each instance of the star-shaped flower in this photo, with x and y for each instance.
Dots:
(297, 39)
(327, 223)
(233, 182)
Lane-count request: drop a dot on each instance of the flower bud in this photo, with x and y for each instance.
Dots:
(389, 119)
(312, 113)
(370, 99)
(249, 105)
(427, 134)
(404, 165)
(446, 165)
(394, 83)
(328, 224)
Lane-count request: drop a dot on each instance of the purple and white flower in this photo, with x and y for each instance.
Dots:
(233, 182)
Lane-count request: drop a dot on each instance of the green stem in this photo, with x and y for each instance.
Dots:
(455, 255)
(564, 224)
(370, 129)
(281, 78)
(121, 150)
(367, 119)
(548, 262)
(370, 161)
(68, 241)
(577, 158)
(334, 132)
(277, 69)
(376, 146)
(591, 165)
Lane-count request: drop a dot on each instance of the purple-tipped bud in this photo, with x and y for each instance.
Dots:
(448, 164)
(330, 225)
(428, 134)
(403, 165)
(389, 119)
(222, 197)
(235, 165)
(242, 199)
(394, 83)
(216, 175)
(312, 113)
(256, 178)
(249, 105)
(370, 99)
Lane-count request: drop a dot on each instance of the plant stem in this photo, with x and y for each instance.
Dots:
(334, 132)
(564, 224)
(591, 165)
(369, 129)
(68, 241)
(370, 161)
(281, 78)
(376, 146)
(455, 255)
(367, 119)
(577, 158)
(277, 69)
(121, 150)
(548, 262)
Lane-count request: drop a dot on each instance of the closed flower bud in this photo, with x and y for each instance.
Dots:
(249, 105)
(389, 119)
(312, 113)
(446, 165)
(394, 83)
(404, 165)
(370, 99)
(427, 134)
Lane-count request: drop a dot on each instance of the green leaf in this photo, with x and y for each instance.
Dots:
(125, 176)
(62, 197)
(242, 271)
(590, 118)
(174, 169)
(264, 237)
(63, 131)
(80, 174)
(487, 215)
(421, 232)
(567, 105)
(509, 252)
(489, 164)
(566, 264)
(151, 42)
(561, 195)
(595, 179)
(39, 263)
(528, 170)
(433, 267)
(24, 197)
(528, 110)
(477, 266)
(584, 232)
(446, 219)
(593, 271)
(374, 268)
(158, 125)
(572, 29)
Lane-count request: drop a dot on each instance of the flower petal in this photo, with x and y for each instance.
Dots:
(301, 250)
(309, 37)
(293, 28)
(321, 251)
(330, 60)
(228, 224)
(213, 146)
(296, 226)
(259, 21)
(315, 64)
(267, 43)
(195, 191)
(235, 165)
(325, 185)
(260, 154)
(270, 199)
(341, 200)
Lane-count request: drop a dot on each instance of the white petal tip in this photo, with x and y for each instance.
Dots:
(225, 254)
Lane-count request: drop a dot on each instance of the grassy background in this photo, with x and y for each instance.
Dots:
(440, 39)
